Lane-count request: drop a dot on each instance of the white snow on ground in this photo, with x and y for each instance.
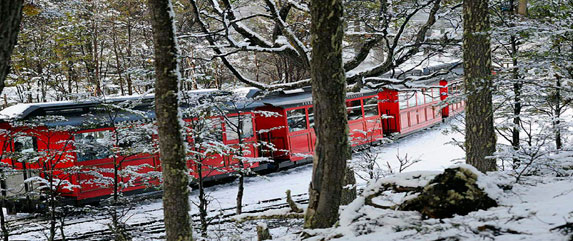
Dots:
(429, 146)
(527, 212)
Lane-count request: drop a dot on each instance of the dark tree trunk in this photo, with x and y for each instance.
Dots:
(10, 16)
(522, 8)
(240, 190)
(515, 142)
(480, 135)
(202, 200)
(517, 95)
(348, 193)
(328, 92)
(53, 217)
(172, 152)
(515, 133)
(241, 187)
(557, 114)
(3, 225)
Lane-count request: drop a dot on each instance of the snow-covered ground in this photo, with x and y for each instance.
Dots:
(532, 210)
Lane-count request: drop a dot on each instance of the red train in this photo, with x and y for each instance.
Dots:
(72, 150)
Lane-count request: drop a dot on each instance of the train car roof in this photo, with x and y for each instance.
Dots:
(26, 111)
(93, 112)
(301, 97)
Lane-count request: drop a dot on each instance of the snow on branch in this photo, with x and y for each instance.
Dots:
(293, 39)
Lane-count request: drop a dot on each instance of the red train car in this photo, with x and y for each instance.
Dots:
(292, 131)
(410, 109)
(221, 164)
(80, 147)
(64, 144)
(371, 115)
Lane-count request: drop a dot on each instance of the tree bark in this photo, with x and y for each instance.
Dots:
(557, 114)
(10, 17)
(515, 141)
(172, 153)
(328, 92)
(522, 7)
(241, 187)
(480, 136)
(203, 202)
(348, 193)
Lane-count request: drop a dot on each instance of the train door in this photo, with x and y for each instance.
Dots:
(310, 111)
(389, 111)
(240, 126)
(355, 122)
(272, 132)
(300, 137)
(372, 120)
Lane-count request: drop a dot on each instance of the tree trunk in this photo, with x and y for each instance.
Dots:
(522, 7)
(348, 193)
(480, 136)
(241, 187)
(10, 16)
(172, 152)
(52, 208)
(557, 114)
(202, 200)
(240, 190)
(515, 142)
(328, 92)
(3, 225)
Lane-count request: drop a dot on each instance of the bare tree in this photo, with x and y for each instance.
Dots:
(391, 29)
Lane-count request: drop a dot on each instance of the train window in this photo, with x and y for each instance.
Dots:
(214, 128)
(370, 107)
(93, 145)
(231, 127)
(411, 97)
(25, 144)
(420, 97)
(296, 120)
(133, 136)
(354, 110)
(427, 95)
(436, 94)
(403, 99)
(311, 117)
(65, 111)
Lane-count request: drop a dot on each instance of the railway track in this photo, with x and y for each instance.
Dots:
(23, 227)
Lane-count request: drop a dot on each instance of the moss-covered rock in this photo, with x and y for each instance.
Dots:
(453, 192)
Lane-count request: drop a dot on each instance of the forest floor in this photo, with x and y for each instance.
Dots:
(533, 209)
